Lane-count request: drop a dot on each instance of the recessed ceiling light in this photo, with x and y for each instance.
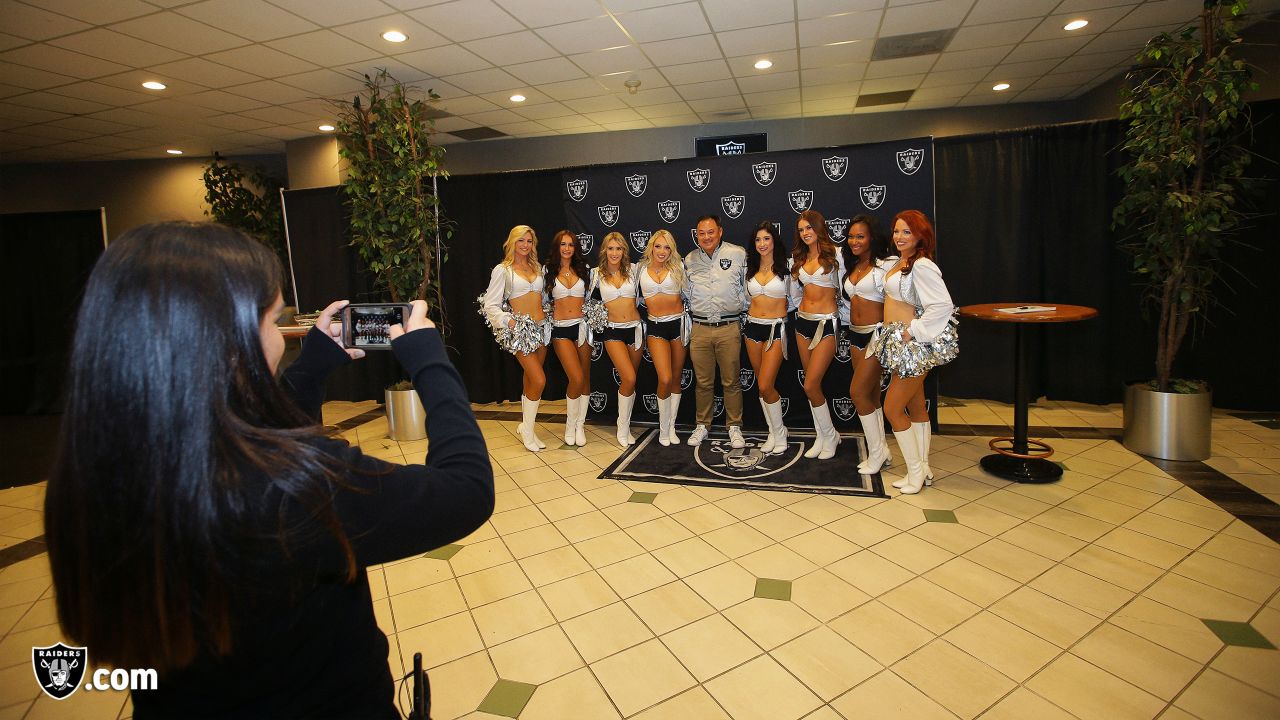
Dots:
(394, 36)
(1000, 87)
(1075, 24)
(764, 64)
(153, 85)
(517, 98)
(173, 151)
(326, 127)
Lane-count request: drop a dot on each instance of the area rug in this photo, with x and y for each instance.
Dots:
(717, 464)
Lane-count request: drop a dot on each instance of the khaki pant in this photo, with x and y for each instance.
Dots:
(717, 346)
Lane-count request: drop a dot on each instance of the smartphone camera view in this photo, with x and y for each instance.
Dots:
(368, 326)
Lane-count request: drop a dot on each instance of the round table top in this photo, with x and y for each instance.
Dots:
(1059, 313)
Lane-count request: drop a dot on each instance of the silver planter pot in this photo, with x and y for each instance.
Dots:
(406, 418)
(1170, 426)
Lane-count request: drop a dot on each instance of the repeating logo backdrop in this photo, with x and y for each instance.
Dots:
(879, 179)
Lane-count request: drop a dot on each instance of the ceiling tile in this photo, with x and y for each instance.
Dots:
(858, 51)
(199, 70)
(971, 37)
(32, 79)
(546, 71)
(248, 18)
(524, 128)
(907, 82)
(769, 81)
(97, 12)
(568, 122)
(1095, 61)
(11, 90)
(1041, 95)
(732, 14)
(93, 124)
(572, 89)
(1160, 13)
(663, 23)
(1020, 71)
(446, 60)
(511, 49)
(629, 5)
(494, 117)
(33, 23)
(543, 111)
(369, 34)
(105, 94)
(277, 115)
(1099, 21)
(628, 125)
(985, 57)
(323, 82)
(269, 92)
(697, 72)
(1075, 6)
(56, 60)
(675, 120)
(833, 74)
(683, 50)
(173, 112)
(900, 66)
(224, 101)
(58, 103)
(104, 43)
(467, 105)
(649, 78)
(179, 33)
(133, 79)
(603, 62)
(326, 48)
(820, 8)
(614, 116)
(585, 35)
(990, 11)
(834, 90)
(1066, 79)
(503, 99)
(1046, 49)
(539, 13)
(263, 60)
(484, 81)
(335, 12)
(954, 77)
(758, 40)
(774, 97)
(664, 110)
(851, 26)
(466, 19)
(1116, 40)
(654, 96)
(599, 103)
(700, 91)
(941, 92)
(728, 102)
(924, 17)
(783, 61)
(817, 107)
(448, 124)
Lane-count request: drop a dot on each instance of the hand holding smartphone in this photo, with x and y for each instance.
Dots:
(367, 326)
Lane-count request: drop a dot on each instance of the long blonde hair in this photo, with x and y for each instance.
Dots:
(624, 266)
(509, 247)
(673, 264)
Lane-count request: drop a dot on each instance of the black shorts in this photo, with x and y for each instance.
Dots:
(666, 330)
(858, 339)
(760, 332)
(568, 332)
(622, 335)
(809, 328)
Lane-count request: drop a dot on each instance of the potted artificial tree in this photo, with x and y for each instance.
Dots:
(248, 200)
(385, 137)
(1185, 122)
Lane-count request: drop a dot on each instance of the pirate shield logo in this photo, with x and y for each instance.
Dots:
(699, 179)
(636, 184)
(686, 378)
(731, 148)
(746, 378)
(59, 669)
(585, 241)
(800, 375)
(909, 160)
(718, 408)
(844, 348)
(836, 228)
(801, 200)
(669, 210)
(609, 214)
(639, 238)
(725, 263)
(645, 354)
(843, 408)
(764, 173)
(872, 196)
(651, 403)
(786, 405)
(577, 189)
(598, 401)
(835, 168)
(733, 205)
(616, 377)
(597, 349)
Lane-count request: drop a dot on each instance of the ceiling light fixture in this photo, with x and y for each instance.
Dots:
(764, 64)
(632, 85)
(173, 151)
(153, 85)
(394, 36)
(517, 98)
(326, 127)
(1075, 24)
(1000, 87)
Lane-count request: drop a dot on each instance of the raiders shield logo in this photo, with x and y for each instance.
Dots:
(636, 184)
(616, 377)
(746, 378)
(609, 214)
(645, 354)
(764, 173)
(639, 238)
(800, 375)
(731, 148)
(836, 228)
(598, 401)
(686, 378)
(844, 348)
(577, 189)
(669, 210)
(909, 160)
(699, 179)
(885, 377)
(718, 408)
(786, 405)
(651, 403)
(597, 349)
(801, 200)
(585, 241)
(872, 196)
(733, 205)
(725, 263)
(835, 168)
(843, 408)
(59, 669)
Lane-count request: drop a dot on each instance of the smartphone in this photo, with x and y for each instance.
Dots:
(368, 325)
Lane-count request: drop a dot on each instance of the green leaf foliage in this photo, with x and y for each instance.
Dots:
(248, 200)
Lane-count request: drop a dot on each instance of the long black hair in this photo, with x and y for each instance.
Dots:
(578, 262)
(879, 242)
(779, 251)
(175, 431)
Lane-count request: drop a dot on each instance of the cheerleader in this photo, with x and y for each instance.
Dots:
(512, 305)
(614, 279)
(567, 278)
(662, 290)
(818, 268)
(918, 335)
(770, 296)
(866, 253)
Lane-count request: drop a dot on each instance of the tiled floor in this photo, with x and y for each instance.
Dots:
(1117, 592)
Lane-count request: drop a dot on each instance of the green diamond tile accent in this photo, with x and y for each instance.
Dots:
(940, 516)
(507, 698)
(639, 497)
(443, 553)
(1238, 633)
(771, 589)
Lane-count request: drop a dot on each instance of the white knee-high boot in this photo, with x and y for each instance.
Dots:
(570, 417)
(910, 448)
(825, 436)
(625, 403)
(673, 403)
(878, 455)
(767, 446)
(579, 433)
(664, 420)
(777, 429)
(922, 432)
(528, 421)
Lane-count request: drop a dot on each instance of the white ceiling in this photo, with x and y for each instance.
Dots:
(244, 76)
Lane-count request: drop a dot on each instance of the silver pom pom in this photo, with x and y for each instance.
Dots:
(595, 315)
(527, 336)
(912, 358)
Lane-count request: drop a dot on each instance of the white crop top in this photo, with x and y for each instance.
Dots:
(824, 278)
(650, 287)
(776, 287)
(870, 286)
(505, 283)
(578, 289)
(924, 289)
(609, 292)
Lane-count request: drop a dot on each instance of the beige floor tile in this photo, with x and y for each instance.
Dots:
(1169, 627)
(1200, 600)
(9, 616)
(477, 556)
(1085, 592)
(553, 490)
(80, 705)
(1214, 696)
(1009, 560)
(553, 566)
(426, 604)
(536, 475)
(881, 632)
(776, 562)
(1142, 547)
(928, 605)
(1098, 508)
(1115, 568)
(780, 524)
(952, 537)
(513, 521)
(971, 581)
(577, 595)
(609, 548)
(762, 690)
(898, 514)
(601, 633)
(823, 713)
(1011, 503)
(1254, 666)
(1255, 551)
(1022, 704)
(512, 617)
(674, 499)
(1046, 617)
(1088, 692)
(770, 623)
(724, 585)
(937, 498)
(441, 641)
(826, 663)
(499, 582)
(746, 505)
(696, 703)
(458, 687)
(821, 546)
(658, 533)
(825, 596)
(710, 646)
(1159, 484)
(689, 556)
(704, 518)
(1119, 492)
(629, 514)
(912, 553)
(642, 676)
(966, 487)
(576, 694)
(862, 530)
(577, 466)
(737, 539)
(1161, 672)
(820, 509)
(888, 696)
(956, 680)
(636, 575)
(1100, 470)
(18, 685)
(565, 507)
(1228, 576)
(870, 572)
(527, 543)
(668, 607)
(528, 461)
(1004, 646)
(1211, 518)
(510, 500)
(400, 577)
(1043, 541)
(41, 613)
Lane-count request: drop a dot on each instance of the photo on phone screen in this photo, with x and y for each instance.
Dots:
(368, 326)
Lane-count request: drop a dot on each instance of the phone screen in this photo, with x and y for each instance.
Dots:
(369, 326)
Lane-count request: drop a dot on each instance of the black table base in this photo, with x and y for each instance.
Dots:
(1023, 470)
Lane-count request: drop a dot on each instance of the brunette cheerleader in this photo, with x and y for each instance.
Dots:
(818, 268)
(662, 289)
(867, 259)
(567, 277)
(770, 295)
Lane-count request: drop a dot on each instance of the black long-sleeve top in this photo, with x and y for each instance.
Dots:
(307, 644)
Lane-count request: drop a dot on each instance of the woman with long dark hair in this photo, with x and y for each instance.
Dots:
(867, 259)
(567, 279)
(818, 268)
(662, 282)
(201, 522)
(615, 280)
(770, 295)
